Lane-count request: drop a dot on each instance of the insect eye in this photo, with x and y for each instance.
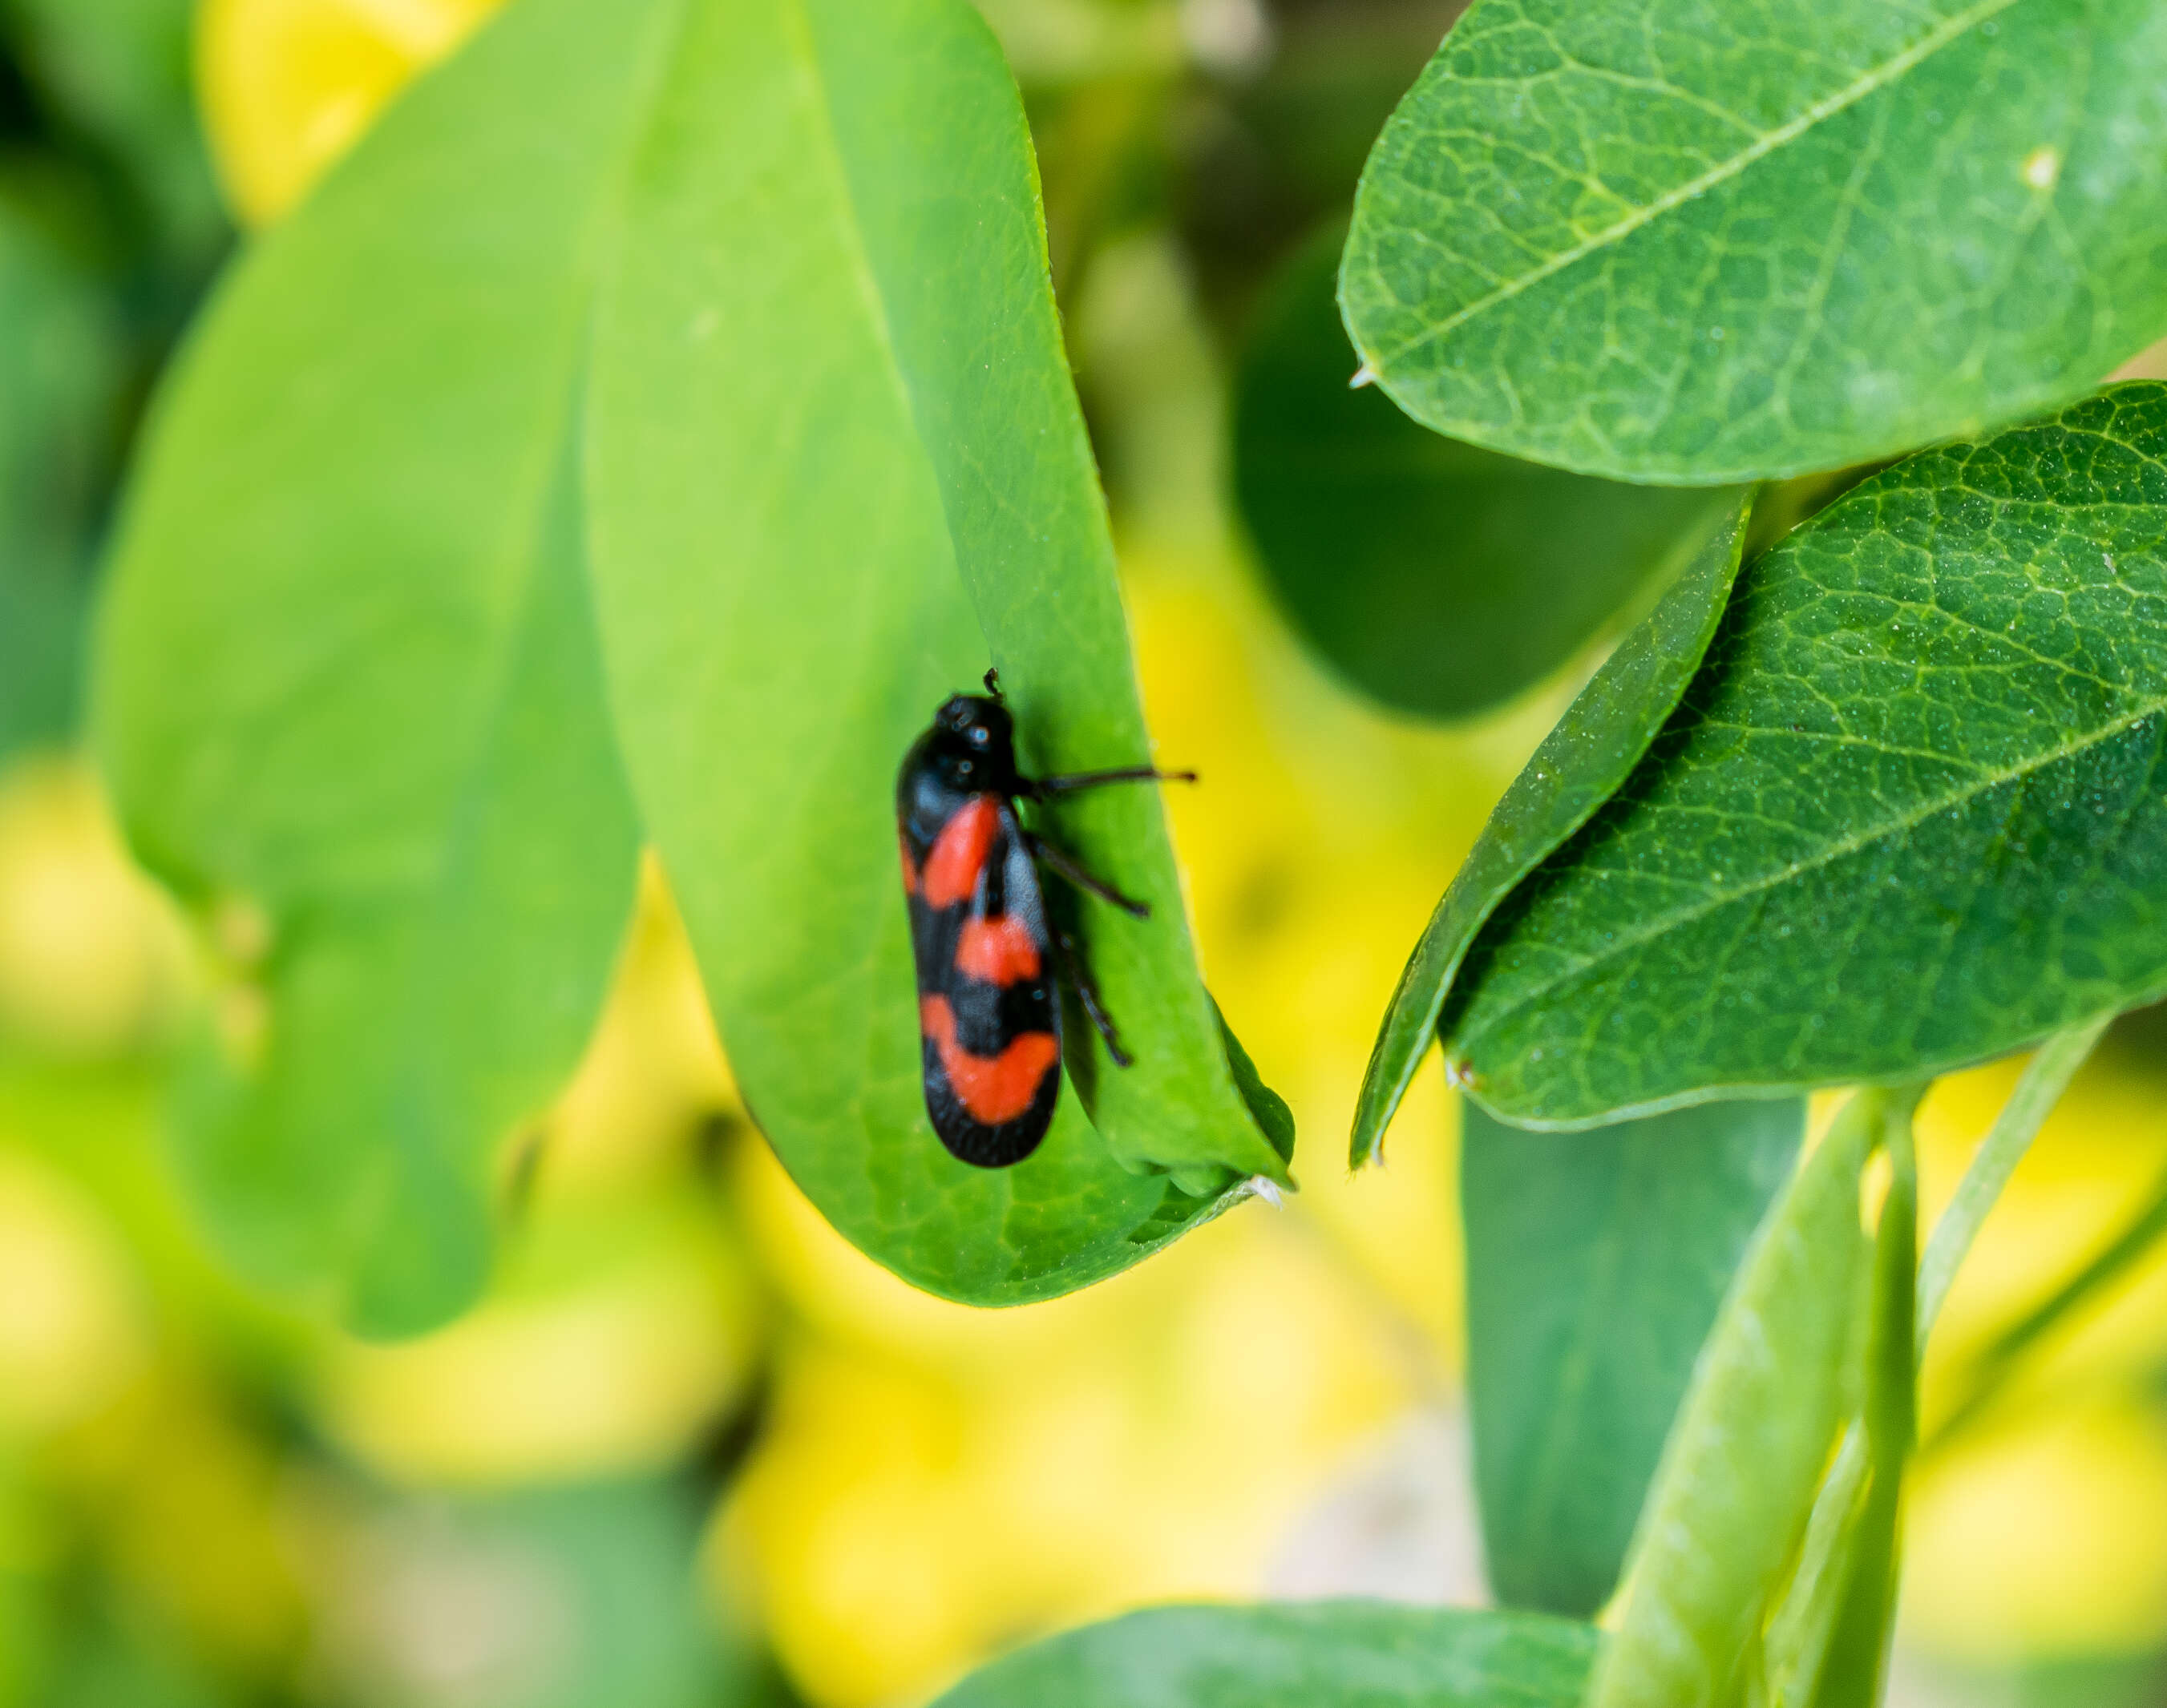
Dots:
(964, 768)
(980, 736)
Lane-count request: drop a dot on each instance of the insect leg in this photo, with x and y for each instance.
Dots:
(1078, 971)
(1075, 782)
(1065, 863)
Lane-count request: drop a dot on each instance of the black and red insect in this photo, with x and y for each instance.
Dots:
(988, 1005)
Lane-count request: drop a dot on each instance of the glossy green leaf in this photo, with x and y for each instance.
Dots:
(1596, 1263)
(348, 679)
(834, 456)
(1773, 1385)
(1664, 240)
(1344, 1654)
(1592, 750)
(1909, 816)
(1437, 578)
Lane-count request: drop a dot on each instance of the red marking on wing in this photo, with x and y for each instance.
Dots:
(999, 950)
(909, 866)
(952, 870)
(994, 1089)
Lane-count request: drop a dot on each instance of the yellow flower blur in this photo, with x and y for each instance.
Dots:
(287, 86)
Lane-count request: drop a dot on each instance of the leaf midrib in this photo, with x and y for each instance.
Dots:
(1877, 77)
(1842, 848)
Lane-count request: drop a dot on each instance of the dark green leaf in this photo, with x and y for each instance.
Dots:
(1436, 577)
(1774, 1382)
(348, 677)
(120, 73)
(1592, 751)
(812, 435)
(1345, 1654)
(1596, 1263)
(1909, 816)
(60, 373)
(1662, 239)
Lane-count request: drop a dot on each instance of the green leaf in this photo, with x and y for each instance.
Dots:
(1663, 241)
(60, 375)
(345, 670)
(1596, 1263)
(120, 73)
(348, 678)
(1827, 1641)
(1773, 1385)
(1909, 816)
(1436, 577)
(816, 431)
(1592, 750)
(1344, 1654)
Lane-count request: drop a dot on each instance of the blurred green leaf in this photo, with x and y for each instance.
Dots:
(1596, 1264)
(803, 429)
(1592, 750)
(1437, 578)
(60, 373)
(347, 674)
(119, 73)
(1773, 1385)
(1346, 1654)
(1909, 816)
(1662, 240)
(600, 1588)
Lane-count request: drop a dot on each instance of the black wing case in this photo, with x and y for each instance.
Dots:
(990, 1019)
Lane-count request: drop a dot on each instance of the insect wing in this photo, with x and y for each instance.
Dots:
(988, 1017)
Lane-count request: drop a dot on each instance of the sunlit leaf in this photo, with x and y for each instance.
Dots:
(1908, 815)
(1348, 1654)
(1592, 751)
(1661, 240)
(1435, 576)
(1596, 1263)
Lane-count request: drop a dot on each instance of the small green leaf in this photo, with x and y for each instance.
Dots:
(1592, 750)
(1596, 1263)
(1909, 816)
(835, 452)
(1772, 1386)
(1437, 578)
(1662, 240)
(347, 676)
(1345, 1654)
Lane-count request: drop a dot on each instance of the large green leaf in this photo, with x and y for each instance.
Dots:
(1343, 1654)
(1596, 1263)
(1592, 750)
(1774, 1382)
(348, 677)
(835, 451)
(1435, 576)
(1664, 240)
(1910, 815)
(347, 670)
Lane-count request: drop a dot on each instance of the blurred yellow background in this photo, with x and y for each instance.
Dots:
(920, 1484)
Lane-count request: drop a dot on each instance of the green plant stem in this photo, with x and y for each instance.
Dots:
(2045, 1078)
